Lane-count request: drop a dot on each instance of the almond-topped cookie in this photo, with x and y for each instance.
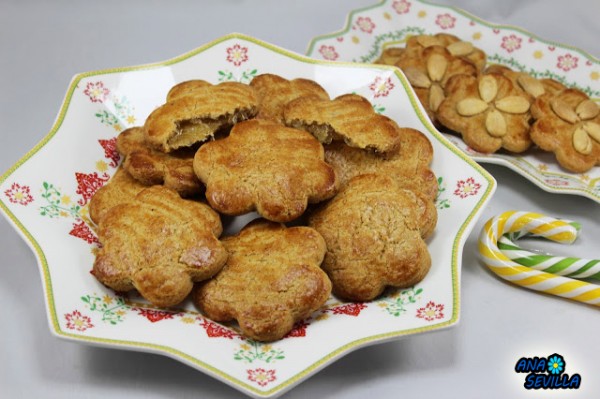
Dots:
(488, 111)
(159, 244)
(454, 45)
(409, 167)
(195, 117)
(274, 92)
(428, 71)
(349, 117)
(271, 280)
(530, 85)
(267, 167)
(374, 231)
(149, 166)
(568, 124)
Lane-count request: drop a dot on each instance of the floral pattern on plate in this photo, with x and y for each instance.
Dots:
(394, 21)
(48, 205)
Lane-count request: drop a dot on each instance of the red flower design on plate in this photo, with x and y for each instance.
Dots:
(77, 321)
(328, 52)
(401, 6)
(445, 21)
(557, 182)
(154, 315)
(261, 376)
(110, 151)
(511, 43)
(237, 54)
(431, 311)
(567, 62)
(18, 194)
(214, 330)
(96, 92)
(351, 309)
(466, 188)
(299, 330)
(381, 87)
(82, 230)
(88, 184)
(365, 24)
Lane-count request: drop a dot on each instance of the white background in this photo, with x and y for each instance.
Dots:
(43, 44)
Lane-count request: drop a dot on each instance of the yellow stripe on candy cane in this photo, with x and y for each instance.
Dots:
(538, 280)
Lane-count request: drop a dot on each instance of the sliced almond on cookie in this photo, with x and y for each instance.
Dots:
(531, 85)
(471, 106)
(459, 49)
(495, 123)
(563, 111)
(587, 109)
(417, 78)
(488, 88)
(581, 141)
(513, 104)
(436, 96)
(428, 41)
(436, 67)
(593, 130)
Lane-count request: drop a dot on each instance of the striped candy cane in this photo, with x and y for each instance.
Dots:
(548, 274)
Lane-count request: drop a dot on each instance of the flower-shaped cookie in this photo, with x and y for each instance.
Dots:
(349, 117)
(488, 111)
(149, 166)
(428, 71)
(409, 166)
(272, 280)
(530, 85)
(267, 167)
(454, 45)
(194, 113)
(374, 232)
(568, 124)
(159, 244)
(274, 92)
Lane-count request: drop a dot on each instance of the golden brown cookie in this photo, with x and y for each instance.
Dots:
(272, 280)
(409, 166)
(120, 188)
(159, 244)
(187, 87)
(389, 56)
(349, 117)
(195, 117)
(274, 92)
(149, 166)
(530, 85)
(267, 167)
(568, 124)
(428, 72)
(374, 232)
(456, 47)
(488, 111)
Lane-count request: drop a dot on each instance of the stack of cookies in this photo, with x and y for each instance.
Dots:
(345, 199)
(495, 108)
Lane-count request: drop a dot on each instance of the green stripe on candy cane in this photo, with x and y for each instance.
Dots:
(558, 265)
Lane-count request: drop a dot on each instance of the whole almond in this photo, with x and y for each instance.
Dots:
(495, 123)
(531, 85)
(513, 104)
(593, 130)
(587, 109)
(436, 96)
(417, 78)
(471, 106)
(582, 142)
(563, 111)
(459, 49)
(436, 67)
(488, 88)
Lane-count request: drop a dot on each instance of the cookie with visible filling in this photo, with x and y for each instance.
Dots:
(159, 244)
(194, 114)
(374, 231)
(349, 118)
(271, 280)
